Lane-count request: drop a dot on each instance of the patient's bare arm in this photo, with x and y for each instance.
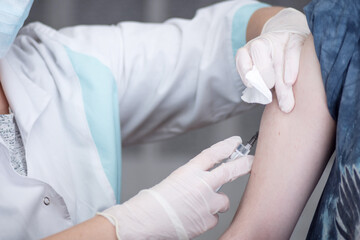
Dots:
(291, 154)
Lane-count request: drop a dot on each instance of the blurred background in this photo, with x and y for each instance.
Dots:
(147, 164)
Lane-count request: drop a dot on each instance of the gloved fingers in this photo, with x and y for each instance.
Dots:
(219, 203)
(244, 64)
(292, 58)
(285, 96)
(216, 153)
(213, 221)
(228, 172)
(283, 91)
(260, 51)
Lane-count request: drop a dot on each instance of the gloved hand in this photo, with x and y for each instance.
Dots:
(276, 54)
(12, 16)
(185, 204)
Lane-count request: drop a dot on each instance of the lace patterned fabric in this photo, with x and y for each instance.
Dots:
(10, 134)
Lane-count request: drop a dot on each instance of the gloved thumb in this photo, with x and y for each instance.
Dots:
(244, 64)
(208, 158)
(228, 172)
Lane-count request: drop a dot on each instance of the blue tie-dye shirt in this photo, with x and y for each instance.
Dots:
(335, 25)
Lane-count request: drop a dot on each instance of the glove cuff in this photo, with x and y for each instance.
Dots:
(113, 221)
(175, 220)
(287, 20)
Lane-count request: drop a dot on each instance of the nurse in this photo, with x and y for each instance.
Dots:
(64, 95)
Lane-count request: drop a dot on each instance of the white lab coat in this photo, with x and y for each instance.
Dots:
(170, 78)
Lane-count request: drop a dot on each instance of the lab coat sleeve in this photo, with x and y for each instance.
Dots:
(174, 76)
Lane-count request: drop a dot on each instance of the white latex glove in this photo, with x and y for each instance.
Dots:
(185, 204)
(276, 54)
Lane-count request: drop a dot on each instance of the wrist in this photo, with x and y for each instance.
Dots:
(258, 20)
(287, 20)
(141, 217)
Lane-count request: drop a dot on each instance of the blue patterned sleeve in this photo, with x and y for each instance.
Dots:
(335, 26)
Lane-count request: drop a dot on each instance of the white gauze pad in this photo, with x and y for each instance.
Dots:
(259, 92)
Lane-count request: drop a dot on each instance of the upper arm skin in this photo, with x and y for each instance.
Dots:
(291, 154)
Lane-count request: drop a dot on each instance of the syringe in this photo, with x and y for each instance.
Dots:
(243, 150)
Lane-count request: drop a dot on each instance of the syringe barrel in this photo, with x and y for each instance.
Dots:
(244, 149)
(241, 151)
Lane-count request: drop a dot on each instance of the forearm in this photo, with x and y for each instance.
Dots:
(95, 228)
(291, 154)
